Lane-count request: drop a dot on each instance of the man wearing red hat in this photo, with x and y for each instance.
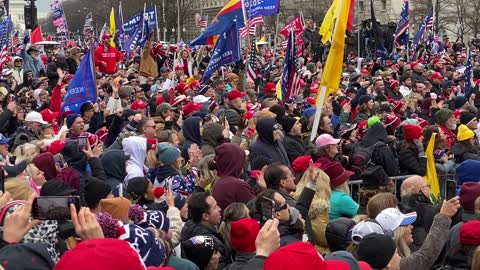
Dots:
(106, 56)
(235, 109)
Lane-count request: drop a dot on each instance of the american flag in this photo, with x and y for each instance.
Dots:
(201, 20)
(401, 34)
(290, 76)
(468, 75)
(252, 62)
(244, 31)
(16, 48)
(428, 20)
(3, 56)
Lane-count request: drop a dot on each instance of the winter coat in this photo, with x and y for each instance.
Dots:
(183, 184)
(148, 64)
(294, 147)
(265, 147)
(113, 162)
(192, 229)
(211, 138)
(24, 135)
(37, 67)
(384, 155)
(431, 248)
(136, 147)
(111, 57)
(463, 151)
(229, 188)
(450, 136)
(88, 169)
(425, 212)
(52, 72)
(410, 162)
(241, 261)
(232, 115)
(361, 117)
(454, 235)
(191, 132)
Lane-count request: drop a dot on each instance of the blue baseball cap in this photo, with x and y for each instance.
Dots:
(3, 139)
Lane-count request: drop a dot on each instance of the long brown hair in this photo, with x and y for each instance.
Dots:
(439, 141)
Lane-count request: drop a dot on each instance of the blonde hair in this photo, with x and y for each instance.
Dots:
(26, 152)
(344, 188)
(321, 199)
(151, 160)
(30, 169)
(402, 246)
(207, 174)
(476, 259)
(19, 189)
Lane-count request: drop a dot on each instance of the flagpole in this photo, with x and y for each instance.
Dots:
(323, 89)
(408, 46)
(275, 41)
(163, 19)
(156, 18)
(143, 24)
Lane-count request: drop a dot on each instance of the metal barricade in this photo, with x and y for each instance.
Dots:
(446, 183)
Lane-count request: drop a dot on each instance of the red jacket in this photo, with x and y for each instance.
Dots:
(111, 57)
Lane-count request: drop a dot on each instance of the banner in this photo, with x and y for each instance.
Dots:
(133, 40)
(82, 87)
(6, 27)
(226, 51)
(257, 8)
(130, 25)
(296, 25)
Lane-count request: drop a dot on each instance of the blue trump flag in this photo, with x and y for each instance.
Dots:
(83, 87)
(226, 51)
(289, 67)
(257, 8)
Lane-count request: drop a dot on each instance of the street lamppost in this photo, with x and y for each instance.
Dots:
(173, 34)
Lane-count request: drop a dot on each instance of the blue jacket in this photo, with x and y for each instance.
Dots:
(36, 66)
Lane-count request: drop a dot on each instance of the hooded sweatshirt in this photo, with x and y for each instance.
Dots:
(230, 160)
(114, 163)
(266, 147)
(191, 132)
(212, 136)
(136, 147)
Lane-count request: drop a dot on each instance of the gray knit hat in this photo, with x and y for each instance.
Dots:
(167, 153)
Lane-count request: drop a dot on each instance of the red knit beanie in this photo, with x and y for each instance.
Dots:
(243, 233)
(470, 233)
(412, 132)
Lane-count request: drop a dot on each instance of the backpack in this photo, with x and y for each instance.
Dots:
(363, 157)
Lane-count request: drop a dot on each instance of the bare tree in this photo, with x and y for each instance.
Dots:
(472, 18)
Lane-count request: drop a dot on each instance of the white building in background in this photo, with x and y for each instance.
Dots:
(17, 13)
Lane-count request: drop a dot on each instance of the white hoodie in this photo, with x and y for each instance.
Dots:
(136, 147)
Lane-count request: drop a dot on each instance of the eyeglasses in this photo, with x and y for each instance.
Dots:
(150, 126)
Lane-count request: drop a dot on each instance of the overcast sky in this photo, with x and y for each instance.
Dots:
(43, 5)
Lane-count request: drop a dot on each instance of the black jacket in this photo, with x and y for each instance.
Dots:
(191, 229)
(113, 162)
(463, 151)
(425, 212)
(410, 163)
(383, 154)
(23, 135)
(241, 261)
(294, 147)
(266, 147)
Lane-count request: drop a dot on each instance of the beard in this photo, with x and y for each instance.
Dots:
(36, 57)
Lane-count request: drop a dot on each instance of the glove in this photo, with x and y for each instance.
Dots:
(420, 149)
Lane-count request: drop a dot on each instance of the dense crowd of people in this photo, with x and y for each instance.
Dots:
(176, 173)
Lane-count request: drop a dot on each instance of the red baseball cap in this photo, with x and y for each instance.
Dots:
(437, 75)
(179, 67)
(106, 36)
(191, 107)
(138, 104)
(301, 255)
(235, 93)
(270, 88)
(301, 164)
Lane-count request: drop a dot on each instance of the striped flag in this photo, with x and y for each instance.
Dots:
(430, 20)
(252, 62)
(401, 34)
(244, 31)
(3, 56)
(16, 48)
(201, 21)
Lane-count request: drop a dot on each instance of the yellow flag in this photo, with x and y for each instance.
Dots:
(112, 27)
(334, 64)
(326, 29)
(278, 90)
(431, 177)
